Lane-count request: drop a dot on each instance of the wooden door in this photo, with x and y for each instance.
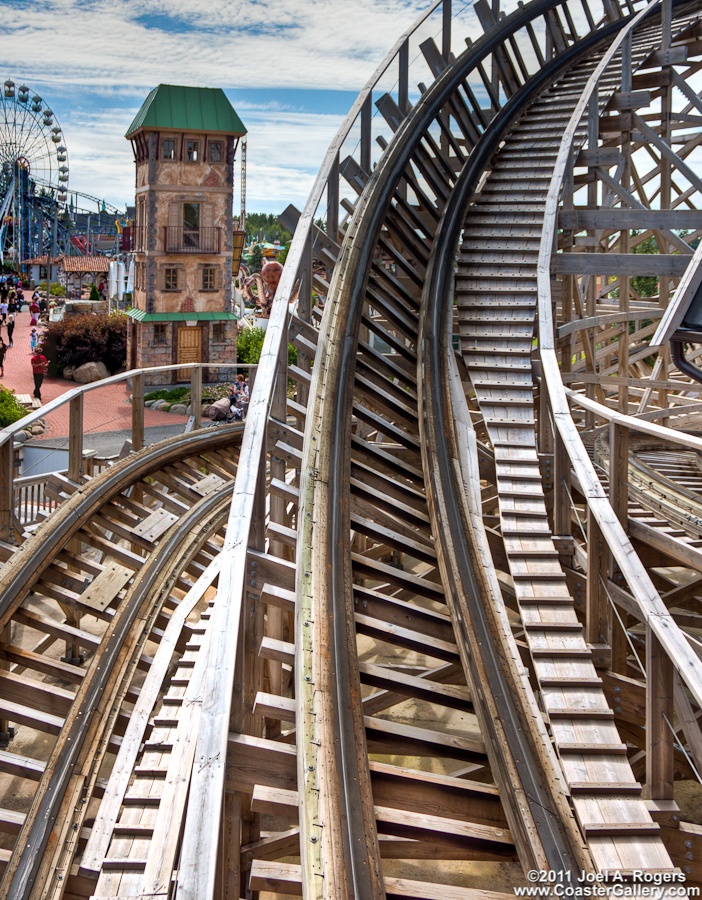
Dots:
(189, 349)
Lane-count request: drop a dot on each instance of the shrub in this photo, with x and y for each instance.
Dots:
(250, 344)
(94, 292)
(172, 394)
(86, 338)
(11, 410)
(57, 290)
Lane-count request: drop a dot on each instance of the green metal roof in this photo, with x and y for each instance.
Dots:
(171, 106)
(142, 316)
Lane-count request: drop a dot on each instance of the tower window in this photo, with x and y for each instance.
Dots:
(215, 151)
(209, 279)
(218, 334)
(169, 149)
(159, 334)
(192, 151)
(170, 279)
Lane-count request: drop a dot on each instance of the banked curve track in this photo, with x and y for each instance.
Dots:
(417, 711)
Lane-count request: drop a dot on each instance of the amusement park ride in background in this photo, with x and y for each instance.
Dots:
(38, 214)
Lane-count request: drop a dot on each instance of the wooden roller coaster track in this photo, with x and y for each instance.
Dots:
(431, 620)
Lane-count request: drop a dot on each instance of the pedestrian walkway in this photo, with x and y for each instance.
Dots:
(104, 409)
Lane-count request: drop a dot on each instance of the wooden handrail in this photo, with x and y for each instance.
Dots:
(651, 608)
(9, 431)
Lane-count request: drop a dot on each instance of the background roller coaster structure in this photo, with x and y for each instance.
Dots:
(432, 620)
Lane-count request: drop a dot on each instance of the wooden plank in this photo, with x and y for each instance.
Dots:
(106, 586)
(634, 264)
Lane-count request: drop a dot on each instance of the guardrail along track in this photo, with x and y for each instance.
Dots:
(496, 309)
(356, 712)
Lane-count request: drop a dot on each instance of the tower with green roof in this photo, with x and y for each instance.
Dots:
(184, 141)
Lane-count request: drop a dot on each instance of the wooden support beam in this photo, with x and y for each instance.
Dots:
(561, 488)
(196, 397)
(7, 492)
(659, 710)
(137, 412)
(598, 612)
(75, 439)
(623, 218)
(672, 264)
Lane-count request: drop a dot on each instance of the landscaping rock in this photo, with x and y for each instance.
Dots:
(91, 371)
(159, 404)
(37, 429)
(179, 409)
(205, 411)
(189, 410)
(21, 436)
(149, 403)
(68, 373)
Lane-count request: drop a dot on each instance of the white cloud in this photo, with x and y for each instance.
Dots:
(94, 61)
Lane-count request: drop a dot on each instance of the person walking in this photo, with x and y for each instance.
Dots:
(3, 351)
(39, 363)
(33, 340)
(3, 310)
(10, 328)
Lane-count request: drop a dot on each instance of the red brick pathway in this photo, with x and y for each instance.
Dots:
(104, 409)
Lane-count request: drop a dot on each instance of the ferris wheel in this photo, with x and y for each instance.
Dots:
(33, 171)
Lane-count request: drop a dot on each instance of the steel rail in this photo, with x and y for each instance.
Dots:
(128, 628)
(360, 240)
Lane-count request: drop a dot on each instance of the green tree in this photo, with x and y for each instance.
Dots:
(94, 292)
(256, 258)
(283, 255)
(249, 345)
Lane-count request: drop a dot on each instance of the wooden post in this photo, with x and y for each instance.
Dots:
(446, 30)
(561, 488)
(7, 491)
(366, 116)
(138, 412)
(659, 735)
(619, 498)
(598, 613)
(593, 132)
(619, 471)
(403, 78)
(75, 439)
(333, 200)
(196, 397)
(304, 302)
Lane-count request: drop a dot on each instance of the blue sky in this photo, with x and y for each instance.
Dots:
(291, 70)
